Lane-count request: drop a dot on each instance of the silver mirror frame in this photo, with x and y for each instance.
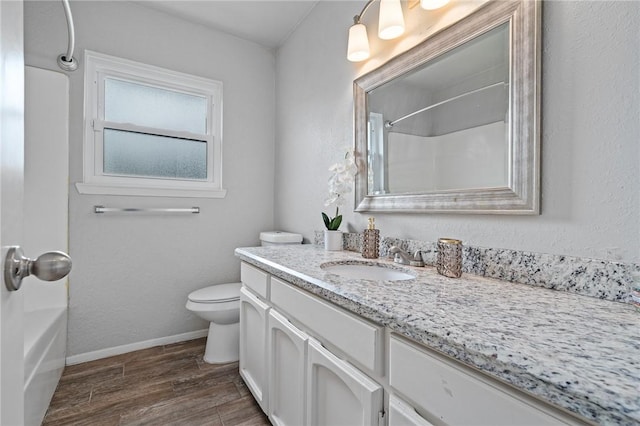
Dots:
(522, 194)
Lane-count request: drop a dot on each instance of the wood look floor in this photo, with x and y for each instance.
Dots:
(164, 385)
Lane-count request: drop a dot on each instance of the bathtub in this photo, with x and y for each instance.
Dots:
(45, 342)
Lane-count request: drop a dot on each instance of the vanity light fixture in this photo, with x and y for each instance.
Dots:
(390, 26)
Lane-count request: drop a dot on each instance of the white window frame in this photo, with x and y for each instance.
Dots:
(98, 67)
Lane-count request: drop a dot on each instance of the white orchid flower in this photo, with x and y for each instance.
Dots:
(340, 183)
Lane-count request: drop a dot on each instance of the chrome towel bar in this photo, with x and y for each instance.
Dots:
(103, 209)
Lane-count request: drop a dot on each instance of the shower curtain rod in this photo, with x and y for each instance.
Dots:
(67, 62)
(389, 124)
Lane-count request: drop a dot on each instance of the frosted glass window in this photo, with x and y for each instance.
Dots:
(139, 154)
(128, 102)
(150, 131)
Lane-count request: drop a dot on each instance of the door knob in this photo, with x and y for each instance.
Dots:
(50, 266)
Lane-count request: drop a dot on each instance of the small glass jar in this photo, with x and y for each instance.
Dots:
(449, 261)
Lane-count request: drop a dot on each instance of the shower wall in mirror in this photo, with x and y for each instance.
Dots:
(452, 124)
(444, 125)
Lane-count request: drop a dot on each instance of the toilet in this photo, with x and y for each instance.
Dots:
(220, 305)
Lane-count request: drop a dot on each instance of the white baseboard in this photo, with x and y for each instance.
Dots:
(104, 353)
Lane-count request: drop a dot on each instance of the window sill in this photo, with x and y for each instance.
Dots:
(93, 189)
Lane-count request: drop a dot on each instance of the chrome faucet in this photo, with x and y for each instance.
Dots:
(404, 258)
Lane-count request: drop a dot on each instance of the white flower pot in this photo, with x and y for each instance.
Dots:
(332, 240)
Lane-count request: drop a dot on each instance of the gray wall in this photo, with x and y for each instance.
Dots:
(132, 274)
(590, 132)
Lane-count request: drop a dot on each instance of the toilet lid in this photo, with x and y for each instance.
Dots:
(217, 293)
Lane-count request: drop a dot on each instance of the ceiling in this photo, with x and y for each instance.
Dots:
(266, 22)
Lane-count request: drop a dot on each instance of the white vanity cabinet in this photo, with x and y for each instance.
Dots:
(287, 357)
(294, 378)
(253, 362)
(310, 362)
(339, 394)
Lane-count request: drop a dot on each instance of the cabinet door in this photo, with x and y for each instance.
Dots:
(287, 364)
(337, 393)
(402, 414)
(253, 362)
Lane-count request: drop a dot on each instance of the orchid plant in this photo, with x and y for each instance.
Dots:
(340, 183)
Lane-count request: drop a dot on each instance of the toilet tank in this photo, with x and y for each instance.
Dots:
(275, 238)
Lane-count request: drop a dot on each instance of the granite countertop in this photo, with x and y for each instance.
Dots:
(573, 351)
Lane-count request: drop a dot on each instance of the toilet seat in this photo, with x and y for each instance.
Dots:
(221, 293)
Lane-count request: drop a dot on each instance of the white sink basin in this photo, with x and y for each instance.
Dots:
(367, 271)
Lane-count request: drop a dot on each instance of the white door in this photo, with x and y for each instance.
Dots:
(11, 187)
(253, 347)
(337, 393)
(287, 364)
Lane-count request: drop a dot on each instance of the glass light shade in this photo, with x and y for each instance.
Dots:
(391, 21)
(432, 4)
(358, 46)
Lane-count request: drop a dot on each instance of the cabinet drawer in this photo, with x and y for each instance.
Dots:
(358, 338)
(446, 391)
(255, 279)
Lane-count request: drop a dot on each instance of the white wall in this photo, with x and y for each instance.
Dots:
(590, 131)
(132, 274)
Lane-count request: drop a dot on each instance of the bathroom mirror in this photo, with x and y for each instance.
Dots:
(452, 125)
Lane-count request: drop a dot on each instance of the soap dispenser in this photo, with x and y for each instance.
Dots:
(371, 241)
